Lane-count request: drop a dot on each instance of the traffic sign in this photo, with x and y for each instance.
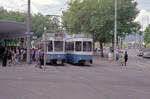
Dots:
(29, 33)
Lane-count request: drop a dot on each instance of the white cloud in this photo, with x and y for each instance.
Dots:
(55, 2)
(143, 18)
(42, 6)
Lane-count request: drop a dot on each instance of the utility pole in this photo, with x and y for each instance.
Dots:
(115, 33)
(45, 38)
(28, 34)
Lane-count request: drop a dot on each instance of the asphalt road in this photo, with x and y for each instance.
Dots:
(102, 80)
(138, 61)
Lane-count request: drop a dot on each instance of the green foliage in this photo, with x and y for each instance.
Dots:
(147, 35)
(148, 46)
(96, 17)
(38, 21)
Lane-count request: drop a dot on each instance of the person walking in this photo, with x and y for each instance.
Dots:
(126, 58)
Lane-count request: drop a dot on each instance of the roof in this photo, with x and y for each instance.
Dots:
(10, 30)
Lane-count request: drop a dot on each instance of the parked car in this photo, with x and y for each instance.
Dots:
(140, 53)
(146, 54)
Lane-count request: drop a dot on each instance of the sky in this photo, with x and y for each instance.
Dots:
(51, 6)
(144, 4)
(42, 6)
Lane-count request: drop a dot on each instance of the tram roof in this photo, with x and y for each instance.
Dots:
(79, 39)
(11, 30)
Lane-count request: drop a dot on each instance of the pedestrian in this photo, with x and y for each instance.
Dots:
(36, 56)
(9, 56)
(33, 55)
(126, 58)
(122, 59)
(39, 58)
(17, 57)
(110, 56)
(5, 55)
(13, 57)
(24, 55)
(119, 57)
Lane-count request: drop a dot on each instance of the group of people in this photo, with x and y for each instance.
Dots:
(121, 57)
(13, 56)
(19, 55)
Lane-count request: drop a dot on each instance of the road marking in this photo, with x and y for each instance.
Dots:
(147, 65)
(141, 66)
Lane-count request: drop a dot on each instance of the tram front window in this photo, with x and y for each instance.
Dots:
(58, 46)
(50, 46)
(87, 46)
(78, 46)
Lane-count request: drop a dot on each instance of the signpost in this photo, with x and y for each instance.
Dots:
(29, 33)
(45, 38)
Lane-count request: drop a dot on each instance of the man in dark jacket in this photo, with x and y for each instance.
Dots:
(5, 55)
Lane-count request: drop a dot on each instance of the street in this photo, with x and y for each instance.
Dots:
(102, 80)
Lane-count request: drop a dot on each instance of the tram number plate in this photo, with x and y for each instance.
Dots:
(59, 62)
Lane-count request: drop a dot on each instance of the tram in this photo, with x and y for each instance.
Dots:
(55, 48)
(79, 49)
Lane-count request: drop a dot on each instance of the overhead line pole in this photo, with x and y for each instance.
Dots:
(115, 33)
(28, 33)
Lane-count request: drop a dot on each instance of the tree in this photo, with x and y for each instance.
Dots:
(38, 21)
(96, 18)
(147, 35)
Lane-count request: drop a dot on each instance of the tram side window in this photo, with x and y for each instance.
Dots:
(50, 46)
(87, 46)
(70, 46)
(78, 46)
(66, 46)
(58, 46)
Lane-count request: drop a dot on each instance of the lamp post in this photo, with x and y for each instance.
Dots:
(28, 34)
(115, 33)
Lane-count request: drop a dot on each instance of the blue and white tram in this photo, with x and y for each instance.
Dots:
(79, 49)
(55, 48)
